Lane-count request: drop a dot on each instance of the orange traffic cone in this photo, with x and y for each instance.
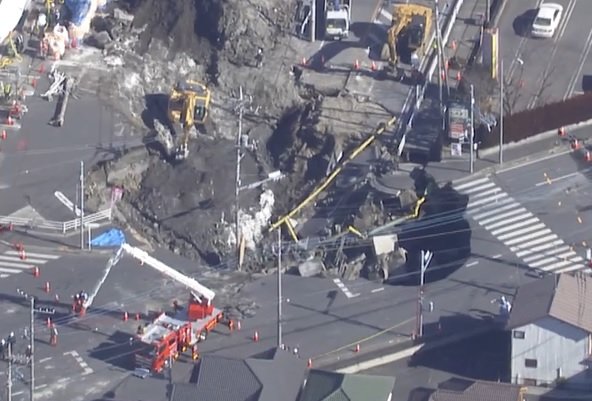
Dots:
(303, 62)
(57, 299)
(125, 316)
(309, 363)
(35, 271)
(48, 322)
(357, 65)
(357, 349)
(46, 287)
(575, 145)
(9, 120)
(256, 336)
(453, 45)
(588, 156)
(3, 135)
(458, 76)
(238, 325)
(562, 132)
(22, 254)
(138, 316)
(373, 66)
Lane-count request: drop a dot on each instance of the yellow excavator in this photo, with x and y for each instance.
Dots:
(189, 103)
(408, 36)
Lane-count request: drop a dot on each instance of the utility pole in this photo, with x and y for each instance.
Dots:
(439, 55)
(487, 11)
(239, 156)
(32, 345)
(426, 258)
(501, 119)
(81, 204)
(279, 283)
(9, 383)
(472, 132)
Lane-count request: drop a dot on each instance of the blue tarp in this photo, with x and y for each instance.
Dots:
(111, 238)
(78, 10)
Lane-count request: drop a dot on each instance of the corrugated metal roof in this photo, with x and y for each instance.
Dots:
(565, 297)
(480, 391)
(330, 386)
(225, 379)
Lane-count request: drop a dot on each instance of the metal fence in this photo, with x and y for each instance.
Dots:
(57, 226)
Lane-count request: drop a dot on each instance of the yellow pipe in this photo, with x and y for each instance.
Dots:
(334, 174)
(291, 230)
(355, 231)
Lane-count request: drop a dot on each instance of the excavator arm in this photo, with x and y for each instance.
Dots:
(199, 290)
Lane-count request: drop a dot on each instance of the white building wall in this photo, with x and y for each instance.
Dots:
(558, 348)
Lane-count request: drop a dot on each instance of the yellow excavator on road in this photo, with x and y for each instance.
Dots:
(408, 36)
(189, 103)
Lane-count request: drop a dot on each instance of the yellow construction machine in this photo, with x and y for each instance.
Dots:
(408, 36)
(189, 102)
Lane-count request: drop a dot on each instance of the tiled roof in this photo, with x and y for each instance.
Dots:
(479, 391)
(330, 386)
(565, 297)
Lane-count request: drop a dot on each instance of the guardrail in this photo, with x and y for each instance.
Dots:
(57, 226)
(415, 96)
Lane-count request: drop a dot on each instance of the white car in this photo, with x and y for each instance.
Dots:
(547, 20)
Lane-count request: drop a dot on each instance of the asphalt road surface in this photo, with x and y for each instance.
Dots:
(540, 71)
(39, 159)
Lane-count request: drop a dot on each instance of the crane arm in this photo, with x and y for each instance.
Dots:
(145, 258)
(156, 264)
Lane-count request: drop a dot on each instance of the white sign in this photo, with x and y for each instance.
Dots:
(67, 202)
(456, 149)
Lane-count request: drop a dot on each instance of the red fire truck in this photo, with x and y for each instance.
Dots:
(169, 335)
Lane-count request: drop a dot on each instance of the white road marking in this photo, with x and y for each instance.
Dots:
(45, 359)
(18, 259)
(81, 362)
(473, 263)
(344, 289)
(35, 255)
(9, 271)
(377, 290)
(499, 255)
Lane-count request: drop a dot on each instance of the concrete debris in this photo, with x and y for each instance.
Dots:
(253, 226)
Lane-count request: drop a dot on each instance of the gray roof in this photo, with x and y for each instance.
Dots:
(469, 390)
(565, 297)
(330, 386)
(254, 379)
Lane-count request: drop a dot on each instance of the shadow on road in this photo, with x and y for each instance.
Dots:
(523, 23)
(482, 357)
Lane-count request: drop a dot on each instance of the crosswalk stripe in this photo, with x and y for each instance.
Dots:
(19, 265)
(11, 271)
(503, 216)
(17, 259)
(536, 234)
(570, 269)
(481, 187)
(557, 265)
(522, 223)
(493, 206)
(461, 187)
(486, 193)
(496, 210)
(539, 248)
(386, 14)
(550, 259)
(534, 242)
(549, 252)
(35, 255)
(491, 200)
(516, 233)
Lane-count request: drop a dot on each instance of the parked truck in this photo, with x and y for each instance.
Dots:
(337, 19)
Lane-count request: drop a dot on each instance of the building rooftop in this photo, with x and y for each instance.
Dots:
(471, 390)
(565, 297)
(330, 386)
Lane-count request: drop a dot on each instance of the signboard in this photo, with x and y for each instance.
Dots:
(456, 149)
(458, 122)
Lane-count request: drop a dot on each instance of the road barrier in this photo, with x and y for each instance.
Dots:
(57, 226)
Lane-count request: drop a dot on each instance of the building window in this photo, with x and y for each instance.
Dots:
(519, 334)
(530, 363)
